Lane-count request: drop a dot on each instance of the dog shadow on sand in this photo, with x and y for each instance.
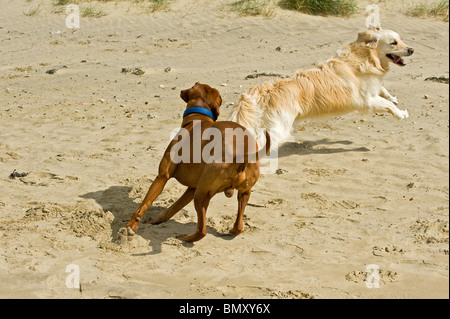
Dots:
(323, 146)
(118, 201)
(122, 205)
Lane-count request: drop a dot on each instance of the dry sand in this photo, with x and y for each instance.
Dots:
(351, 191)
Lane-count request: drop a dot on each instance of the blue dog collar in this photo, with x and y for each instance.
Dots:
(199, 110)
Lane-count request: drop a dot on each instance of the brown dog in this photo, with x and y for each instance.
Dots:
(210, 174)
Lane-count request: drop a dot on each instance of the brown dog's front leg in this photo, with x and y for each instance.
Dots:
(243, 198)
(167, 214)
(154, 191)
(201, 201)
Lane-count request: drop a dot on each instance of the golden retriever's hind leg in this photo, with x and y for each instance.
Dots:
(167, 214)
(243, 198)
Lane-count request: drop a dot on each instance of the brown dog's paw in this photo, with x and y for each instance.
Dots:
(236, 231)
(191, 238)
(153, 221)
(185, 238)
(126, 231)
(124, 235)
(130, 232)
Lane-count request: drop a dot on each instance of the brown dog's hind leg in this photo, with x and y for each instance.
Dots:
(201, 201)
(243, 198)
(154, 191)
(167, 214)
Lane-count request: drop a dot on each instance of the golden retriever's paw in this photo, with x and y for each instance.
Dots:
(405, 114)
(402, 115)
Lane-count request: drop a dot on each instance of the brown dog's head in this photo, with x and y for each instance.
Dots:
(202, 95)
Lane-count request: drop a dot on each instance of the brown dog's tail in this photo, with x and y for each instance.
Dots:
(266, 147)
(244, 148)
(249, 158)
(262, 152)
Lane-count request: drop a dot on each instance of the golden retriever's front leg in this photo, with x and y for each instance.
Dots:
(385, 93)
(380, 104)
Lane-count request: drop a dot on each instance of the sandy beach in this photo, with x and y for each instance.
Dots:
(86, 114)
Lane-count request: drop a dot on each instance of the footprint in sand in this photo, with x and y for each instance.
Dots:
(386, 276)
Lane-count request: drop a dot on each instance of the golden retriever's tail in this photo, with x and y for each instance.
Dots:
(247, 113)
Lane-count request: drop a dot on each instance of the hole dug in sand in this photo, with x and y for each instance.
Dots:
(80, 219)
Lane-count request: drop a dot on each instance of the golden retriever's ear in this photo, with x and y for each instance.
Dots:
(369, 38)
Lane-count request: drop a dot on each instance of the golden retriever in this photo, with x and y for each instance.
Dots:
(351, 81)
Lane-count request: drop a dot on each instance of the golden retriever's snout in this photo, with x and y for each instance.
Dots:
(410, 51)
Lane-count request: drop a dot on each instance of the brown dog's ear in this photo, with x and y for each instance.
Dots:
(369, 38)
(185, 95)
(215, 106)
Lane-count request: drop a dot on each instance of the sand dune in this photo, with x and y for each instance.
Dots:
(351, 191)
